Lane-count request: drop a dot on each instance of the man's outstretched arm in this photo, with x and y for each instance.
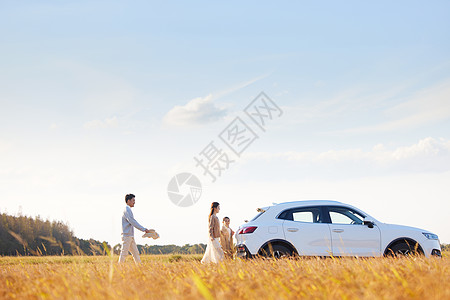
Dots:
(130, 218)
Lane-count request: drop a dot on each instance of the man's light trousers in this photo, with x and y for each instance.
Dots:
(129, 245)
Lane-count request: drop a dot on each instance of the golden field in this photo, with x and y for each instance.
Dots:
(176, 277)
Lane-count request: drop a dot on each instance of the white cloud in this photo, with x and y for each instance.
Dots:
(97, 124)
(426, 106)
(387, 108)
(346, 103)
(203, 110)
(197, 111)
(428, 154)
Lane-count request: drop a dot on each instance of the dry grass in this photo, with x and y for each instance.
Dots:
(169, 277)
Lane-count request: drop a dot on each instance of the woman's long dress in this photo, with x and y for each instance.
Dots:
(214, 252)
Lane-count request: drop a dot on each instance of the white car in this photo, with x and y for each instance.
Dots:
(328, 228)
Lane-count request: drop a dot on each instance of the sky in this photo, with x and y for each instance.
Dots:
(103, 98)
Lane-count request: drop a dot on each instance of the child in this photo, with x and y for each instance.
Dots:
(226, 238)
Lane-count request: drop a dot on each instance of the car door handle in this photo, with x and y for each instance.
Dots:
(338, 230)
(292, 229)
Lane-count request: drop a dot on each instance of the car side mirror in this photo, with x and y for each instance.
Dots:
(369, 222)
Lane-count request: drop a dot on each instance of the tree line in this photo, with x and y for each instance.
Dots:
(23, 235)
(171, 249)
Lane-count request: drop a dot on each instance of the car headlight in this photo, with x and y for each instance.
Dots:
(430, 236)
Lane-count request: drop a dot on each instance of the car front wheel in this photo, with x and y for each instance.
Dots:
(403, 249)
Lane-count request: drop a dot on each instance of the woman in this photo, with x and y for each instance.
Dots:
(214, 252)
(226, 238)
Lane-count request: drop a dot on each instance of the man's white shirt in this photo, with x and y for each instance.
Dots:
(128, 223)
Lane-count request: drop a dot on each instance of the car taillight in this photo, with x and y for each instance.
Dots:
(247, 230)
(240, 248)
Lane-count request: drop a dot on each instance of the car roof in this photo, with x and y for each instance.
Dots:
(278, 207)
(309, 202)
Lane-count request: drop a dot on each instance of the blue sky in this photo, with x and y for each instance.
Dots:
(103, 98)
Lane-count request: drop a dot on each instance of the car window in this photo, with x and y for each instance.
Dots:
(342, 215)
(303, 214)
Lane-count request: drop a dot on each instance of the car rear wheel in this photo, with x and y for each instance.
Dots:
(276, 251)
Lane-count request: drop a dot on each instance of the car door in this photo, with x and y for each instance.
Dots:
(305, 230)
(350, 237)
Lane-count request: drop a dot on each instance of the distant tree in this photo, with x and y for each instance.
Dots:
(172, 249)
(22, 235)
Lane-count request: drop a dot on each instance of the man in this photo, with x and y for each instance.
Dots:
(128, 224)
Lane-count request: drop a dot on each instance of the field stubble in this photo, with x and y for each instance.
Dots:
(169, 277)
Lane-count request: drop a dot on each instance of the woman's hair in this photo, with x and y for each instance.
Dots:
(213, 205)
